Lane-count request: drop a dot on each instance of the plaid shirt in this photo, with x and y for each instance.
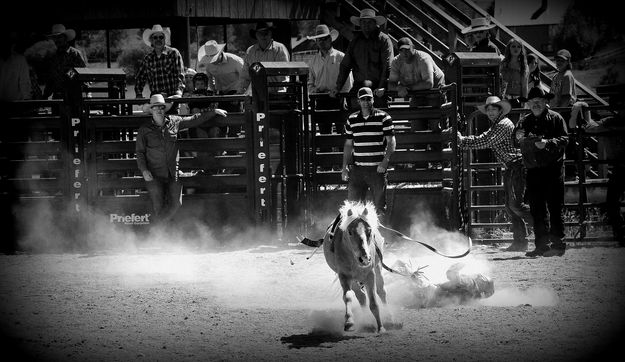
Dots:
(164, 73)
(498, 138)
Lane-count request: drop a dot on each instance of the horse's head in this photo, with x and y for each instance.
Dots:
(359, 223)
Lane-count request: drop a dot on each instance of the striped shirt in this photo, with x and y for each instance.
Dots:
(164, 73)
(368, 136)
(498, 138)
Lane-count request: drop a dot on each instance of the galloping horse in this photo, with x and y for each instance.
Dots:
(351, 253)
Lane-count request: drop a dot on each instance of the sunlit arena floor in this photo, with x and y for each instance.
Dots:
(273, 300)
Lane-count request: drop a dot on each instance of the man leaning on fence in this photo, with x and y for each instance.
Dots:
(499, 139)
(157, 153)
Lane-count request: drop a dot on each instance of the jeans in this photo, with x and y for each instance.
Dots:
(166, 195)
(514, 193)
(364, 178)
(545, 189)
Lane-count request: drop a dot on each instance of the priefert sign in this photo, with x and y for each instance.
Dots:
(132, 219)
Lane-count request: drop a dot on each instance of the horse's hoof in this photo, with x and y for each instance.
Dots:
(382, 330)
(349, 327)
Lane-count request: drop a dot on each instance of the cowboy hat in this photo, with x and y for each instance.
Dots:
(537, 92)
(260, 26)
(322, 30)
(210, 49)
(156, 100)
(367, 14)
(496, 101)
(59, 29)
(478, 24)
(147, 34)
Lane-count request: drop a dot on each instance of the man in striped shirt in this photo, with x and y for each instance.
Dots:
(369, 144)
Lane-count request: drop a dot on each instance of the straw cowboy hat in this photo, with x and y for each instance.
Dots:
(147, 33)
(537, 92)
(210, 49)
(59, 29)
(321, 31)
(260, 26)
(478, 24)
(496, 101)
(367, 14)
(156, 100)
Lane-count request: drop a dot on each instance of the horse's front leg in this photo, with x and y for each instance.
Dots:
(373, 301)
(348, 298)
(379, 283)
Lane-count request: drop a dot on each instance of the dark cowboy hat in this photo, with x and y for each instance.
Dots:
(261, 25)
(59, 29)
(537, 92)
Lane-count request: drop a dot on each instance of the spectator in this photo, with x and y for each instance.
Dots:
(499, 139)
(188, 90)
(514, 73)
(265, 50)
(413, 69)
(201, 89)
(15, 79)
(611, 134)
(368, 57)
(369, 144)
(533, 66)
(478, 36)
(324, 70)
(563, 89)
(66, 58)
(224, 70)
(188, 81)
(563, 82)
(542, 137)
(158, 155)
(162, 68)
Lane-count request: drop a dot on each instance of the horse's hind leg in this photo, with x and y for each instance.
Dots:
(349, 301)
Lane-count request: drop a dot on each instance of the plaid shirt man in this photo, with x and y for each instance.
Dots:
(164, 73)
(498, 138)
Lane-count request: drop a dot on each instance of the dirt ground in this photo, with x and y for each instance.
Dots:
(271, 302)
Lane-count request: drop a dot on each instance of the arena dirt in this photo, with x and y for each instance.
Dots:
(269, 302)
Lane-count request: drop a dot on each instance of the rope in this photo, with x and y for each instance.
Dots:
(433, 249)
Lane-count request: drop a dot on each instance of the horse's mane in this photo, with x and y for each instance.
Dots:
(357, 209)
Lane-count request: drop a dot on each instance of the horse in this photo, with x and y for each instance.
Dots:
(351, 253)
